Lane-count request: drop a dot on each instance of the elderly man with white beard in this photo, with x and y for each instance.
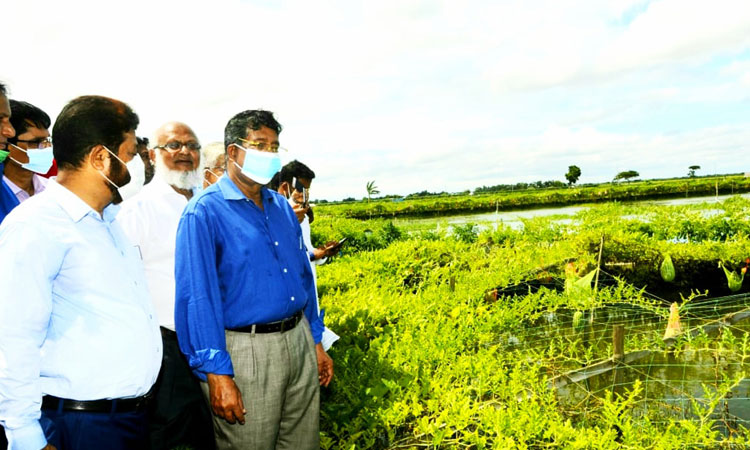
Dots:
(178, 414)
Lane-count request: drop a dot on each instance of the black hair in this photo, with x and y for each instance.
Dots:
(3, 90)
(294, 169)
(89, 121)
(23, 115)
(238, 126)
(142, 141)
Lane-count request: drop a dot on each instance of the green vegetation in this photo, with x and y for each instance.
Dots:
(627, 175)
(573, 174)
(433, 355)
(536, 198)
(371, 190)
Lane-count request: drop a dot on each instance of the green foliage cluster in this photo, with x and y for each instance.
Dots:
(424, 361)
(431, 206)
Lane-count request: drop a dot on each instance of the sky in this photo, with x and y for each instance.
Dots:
(414, 95)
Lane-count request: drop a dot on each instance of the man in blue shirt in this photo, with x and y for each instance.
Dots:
(30, 151)
(79, 338)
(245, 308)
(8, 200)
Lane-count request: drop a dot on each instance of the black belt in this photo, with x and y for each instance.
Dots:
(273, 327)
(121, 405)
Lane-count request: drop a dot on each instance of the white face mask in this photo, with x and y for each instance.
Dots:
(137, 171)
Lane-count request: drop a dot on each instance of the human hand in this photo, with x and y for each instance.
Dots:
(325, 366)
(332, 248)
(300, 211)
(226, 398)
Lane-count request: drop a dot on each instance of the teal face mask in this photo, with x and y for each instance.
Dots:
(40, 160)
(259, 166)
(3, 154)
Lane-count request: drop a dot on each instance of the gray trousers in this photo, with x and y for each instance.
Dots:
(277, 374)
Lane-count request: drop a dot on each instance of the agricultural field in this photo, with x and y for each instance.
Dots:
(506, 338)
(538, 198)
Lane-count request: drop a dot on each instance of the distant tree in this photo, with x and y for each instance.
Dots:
(371, 190)
(691, 173)
(574, 173)
(627, 175)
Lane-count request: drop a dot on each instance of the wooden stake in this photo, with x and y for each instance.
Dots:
(452, 283)
(618, 342)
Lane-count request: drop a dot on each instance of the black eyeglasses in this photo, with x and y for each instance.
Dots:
(175, 146)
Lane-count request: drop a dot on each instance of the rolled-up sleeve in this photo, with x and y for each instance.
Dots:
(30, 265)
(199, 316)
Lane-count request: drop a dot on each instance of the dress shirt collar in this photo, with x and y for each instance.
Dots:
(76, 208)
(230, 191)
(39, 183)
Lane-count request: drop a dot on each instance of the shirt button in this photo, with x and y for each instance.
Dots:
(292, 298)
(276, 243)
(150, 316)
(284, 270)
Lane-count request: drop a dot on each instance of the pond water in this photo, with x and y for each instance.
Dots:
(514, 219)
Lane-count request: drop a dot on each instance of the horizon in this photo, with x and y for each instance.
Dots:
(530, 187)
(418, 96)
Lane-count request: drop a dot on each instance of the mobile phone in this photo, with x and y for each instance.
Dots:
(337, 244)
(299, 187)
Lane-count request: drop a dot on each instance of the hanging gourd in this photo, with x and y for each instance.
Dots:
(667, 269)
(734, 281)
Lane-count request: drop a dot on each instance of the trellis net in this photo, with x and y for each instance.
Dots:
(695, 371)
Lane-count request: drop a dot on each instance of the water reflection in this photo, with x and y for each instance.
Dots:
(514, 219)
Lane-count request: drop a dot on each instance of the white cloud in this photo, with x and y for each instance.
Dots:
(418, 95)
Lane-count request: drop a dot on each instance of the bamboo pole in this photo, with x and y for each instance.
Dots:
(618, 342)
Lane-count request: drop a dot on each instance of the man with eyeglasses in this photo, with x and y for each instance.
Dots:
(178, 415)
(293, 182)
(79, 340)
(8, 201)
(29, 151)
(245, 307)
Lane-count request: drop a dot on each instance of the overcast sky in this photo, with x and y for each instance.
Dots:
(416, 95)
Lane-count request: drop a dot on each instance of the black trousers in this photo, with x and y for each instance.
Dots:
(3, 441)
(178, 414)
(74, 430)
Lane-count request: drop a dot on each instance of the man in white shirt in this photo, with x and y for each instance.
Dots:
(293, 182)
(30, 150)
(79, 337)
(179, 415)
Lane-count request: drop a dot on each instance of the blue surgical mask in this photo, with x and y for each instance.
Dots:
(40, 160)
(259, 166)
